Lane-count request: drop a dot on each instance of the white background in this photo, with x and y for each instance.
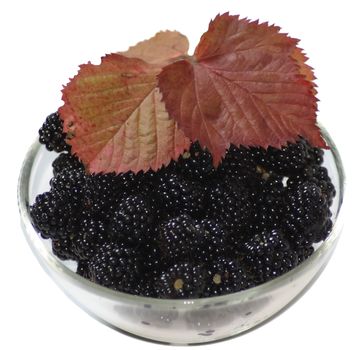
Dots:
(41, 45)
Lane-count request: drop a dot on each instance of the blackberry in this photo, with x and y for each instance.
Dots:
(115, 266)
(210, 241)
(183, 238)
(224, 276)
(102, 194)
(289, 159)
(71, 183)
(88, 239)
(306, 213)
(304, 253)
(267, 255)
(182, 280)
(266, 267)
(51, 134)
(265, 243)
(175, 238)
(266, 204)
(315, 155)
(240, 166)
(63, 248)
(53, 215)
(321, 178)
(239, 158)
(66, 162)
(132, 219)
(324, 232)
(196, 164)
(228, 206)
(177, 195)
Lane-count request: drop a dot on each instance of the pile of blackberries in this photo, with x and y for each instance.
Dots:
(188, 230)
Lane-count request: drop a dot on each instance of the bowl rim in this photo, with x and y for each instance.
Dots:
(37, 245)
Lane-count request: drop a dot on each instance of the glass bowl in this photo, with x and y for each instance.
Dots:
(181, 322)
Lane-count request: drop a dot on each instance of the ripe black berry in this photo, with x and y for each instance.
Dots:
(306, 213)
(51, 134)
(177, 195)
(290, 159)
(54, 215)
(210, 241)
(88, 238)
(132, 219)
(265, 243)
(66, 162)
(229, 206)
(266, 267)
(63, 248)
(115, 266)
(267, 255)
(182, 280)
(176, 237)
(224, 276)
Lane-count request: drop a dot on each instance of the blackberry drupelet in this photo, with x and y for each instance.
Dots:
(131, 220)
(51, 134)
(115, 266)
(224, 276)
(181, 280)
(66, 162)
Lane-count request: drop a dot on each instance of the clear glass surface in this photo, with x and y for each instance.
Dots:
(189, 321)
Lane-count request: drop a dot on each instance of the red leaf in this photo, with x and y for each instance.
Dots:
(160, 49)
(246, 84)
(117, 122)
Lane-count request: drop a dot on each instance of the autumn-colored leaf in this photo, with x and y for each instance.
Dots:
(246, 84)
(160, 49)
(304, 68)
(117, 122)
